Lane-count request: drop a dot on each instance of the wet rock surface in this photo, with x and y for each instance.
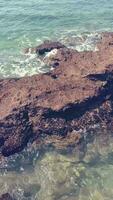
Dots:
(60, 108)
(47, 46)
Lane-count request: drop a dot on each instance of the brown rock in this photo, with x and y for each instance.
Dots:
(45, 47)
(75, 96)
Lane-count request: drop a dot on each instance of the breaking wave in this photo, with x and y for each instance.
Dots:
(18, 64)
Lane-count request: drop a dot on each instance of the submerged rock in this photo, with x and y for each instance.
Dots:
(21, 186)
(59, 176)
(97, 182)
(54, 176)
(6, 197)
(69, 101)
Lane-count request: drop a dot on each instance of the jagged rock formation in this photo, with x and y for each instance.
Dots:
(62, 105)
(47, 46)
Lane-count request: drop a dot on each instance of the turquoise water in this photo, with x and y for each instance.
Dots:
(28, 23)
(53, 175)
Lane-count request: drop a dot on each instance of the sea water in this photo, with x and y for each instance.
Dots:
(50, 174)
(29, 23)
(54, 175)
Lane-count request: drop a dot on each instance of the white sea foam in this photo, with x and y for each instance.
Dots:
(18, 64)
(81, 42)
(22, 65)
(51, 53)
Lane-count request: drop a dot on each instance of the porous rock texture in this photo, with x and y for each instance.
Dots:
(62, 105)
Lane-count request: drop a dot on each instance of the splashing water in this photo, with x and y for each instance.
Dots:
(20, 64)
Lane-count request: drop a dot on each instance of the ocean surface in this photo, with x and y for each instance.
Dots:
(28, 23)
(48, 174)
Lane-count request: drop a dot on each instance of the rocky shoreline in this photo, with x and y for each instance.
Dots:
(64, 107)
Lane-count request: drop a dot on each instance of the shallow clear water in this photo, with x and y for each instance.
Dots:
(52, 175)
(28, 23)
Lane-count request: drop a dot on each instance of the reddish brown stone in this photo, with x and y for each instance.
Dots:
(70, 98)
